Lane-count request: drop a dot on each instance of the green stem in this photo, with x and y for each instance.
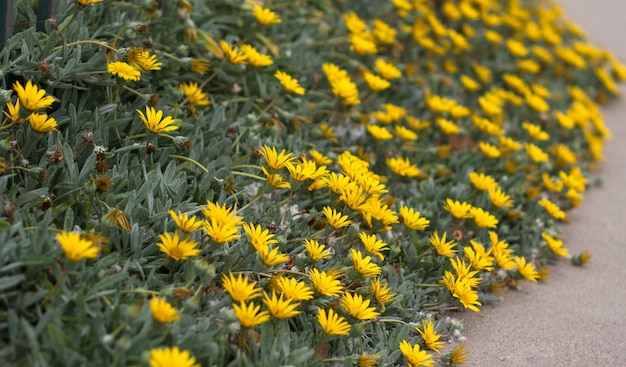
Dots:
(55, 288)
(84, 42)
(237, 173)
(187, 159)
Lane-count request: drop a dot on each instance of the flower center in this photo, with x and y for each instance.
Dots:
(176, 253)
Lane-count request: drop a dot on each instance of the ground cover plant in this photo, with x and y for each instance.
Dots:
(229, 182)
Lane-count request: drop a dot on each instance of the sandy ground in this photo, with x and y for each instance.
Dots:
(577, 318)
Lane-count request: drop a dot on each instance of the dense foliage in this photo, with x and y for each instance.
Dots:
(289, 183)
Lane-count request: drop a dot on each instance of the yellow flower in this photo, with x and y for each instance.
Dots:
(279, 307)
(535, 153)
(556, 246)
(155, 122)
(416, 124)
(481, 181)
(265, 16)
(240, 289)
(364, 265)
(405, 134)
(493, 37)
(124, 70)
(171, 356)
(458, 209)
(508, 145)
(535, 131)
(387, 69)
(552, 209)
(466, 295)
(14, 112)
(319, 158)
(335, 218)
(442, 247)
(289, 84)
(221, 224)
(373, 245)
(499, 198)
(194, 94)
(274, 180)
(368, 360)
(526, 270)
(163, 311)
(324, 283)
(233, 54)
(255, 58)
(331, 323)
(341, 84)
(88, 2)
(42, 123)
(489, 150)
(537, 103)
(184, 222)
(200, 66)
(76, 248)
(306, 170)
(381, 292)
(516, 48)
(550, 184)
(274, 159)
(457, 356)
(375, 83)
(31, 97)
(501, 252)
(259, 237)
(448, 127)
(294, 290)
(379, 132)
(469, 84)
(483, 219)
(384, 33)
(354, 23)
(271, 257)
(478, 257)
(403, 167)
(357, 307)
(249, 315)
(316, 251)
(176, 248)
(430, 336)
(362, 43)
(411, 219)
(414, 356)
(141, 60)
(483, 73)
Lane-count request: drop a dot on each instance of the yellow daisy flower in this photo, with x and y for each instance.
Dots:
(171, 357)
(124, 70)
(240, 289)
(75, 247)
(42, 123)
(414, 356)
(315, 250)
(331, 323)
(249, 315)
(185, 222)
(336, 219)
(325, 284)
(233, 54)
(357, 307)
(279, 307)
(194, 94)
(31, 97)
(430, 336)
(442, 247)
(155, 122)
(177, 248)
(364, 265)
(163, 311)
(265, 16)
(289, 84)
